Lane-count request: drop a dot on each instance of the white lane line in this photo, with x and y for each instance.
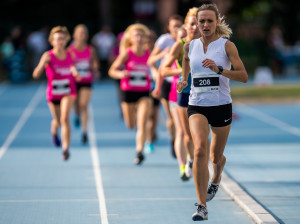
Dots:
(22, 120)
(96, 166)
(244, 200)
(268, 119)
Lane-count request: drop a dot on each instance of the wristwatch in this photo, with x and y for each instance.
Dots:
(220, 69)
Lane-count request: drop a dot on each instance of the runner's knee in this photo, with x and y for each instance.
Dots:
(217, 158)
(200, 152)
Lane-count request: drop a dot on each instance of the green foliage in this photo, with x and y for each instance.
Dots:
(271, 92)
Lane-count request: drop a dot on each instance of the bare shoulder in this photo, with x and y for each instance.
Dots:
(230, 47)
(46, 57)
(176, 48)
(122, 57)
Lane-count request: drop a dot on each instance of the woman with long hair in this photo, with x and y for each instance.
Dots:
(135, 82)
(209, 59)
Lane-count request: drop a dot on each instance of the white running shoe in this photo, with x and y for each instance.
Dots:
(201, 213)
(189, 169)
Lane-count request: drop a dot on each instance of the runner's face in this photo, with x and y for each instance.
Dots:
(59, 40)
(137, 38)
(192, 27)
(81, 34)
(207, 22)
(173, 26)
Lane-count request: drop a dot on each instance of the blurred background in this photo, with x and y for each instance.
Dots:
(266, 32)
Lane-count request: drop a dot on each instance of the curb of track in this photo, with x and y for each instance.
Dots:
(259, 214)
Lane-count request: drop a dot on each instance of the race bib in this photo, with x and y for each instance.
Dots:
(60, 87)
(204, 82)
(83, 68)
(138, 78)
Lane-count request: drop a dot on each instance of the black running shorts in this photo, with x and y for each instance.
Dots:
(217, 116)
(165, 90)
(132, 97)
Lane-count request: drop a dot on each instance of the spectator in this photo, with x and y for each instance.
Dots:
(104, 41)
(37, 44)
(276, 44)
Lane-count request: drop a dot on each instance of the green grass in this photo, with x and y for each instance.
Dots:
(270, 92)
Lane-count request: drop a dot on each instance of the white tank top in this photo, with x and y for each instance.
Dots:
(208, 88)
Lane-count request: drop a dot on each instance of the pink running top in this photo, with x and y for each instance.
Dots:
(82, 62)
(60, 79)
(173, 91)
(139, 78)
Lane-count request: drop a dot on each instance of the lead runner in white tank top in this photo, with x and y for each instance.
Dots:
(210, 110)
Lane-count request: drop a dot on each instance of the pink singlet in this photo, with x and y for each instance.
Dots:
(173, 91)
(82, 62)
(139, 78)
(60, 79)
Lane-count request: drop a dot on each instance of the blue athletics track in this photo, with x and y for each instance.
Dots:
(100, 183)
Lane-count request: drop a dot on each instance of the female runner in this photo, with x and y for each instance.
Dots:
(135, 82)
(86, 63)
(209, 58)
(61, 87)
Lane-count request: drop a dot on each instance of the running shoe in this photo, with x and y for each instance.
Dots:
(66, 155)
(201, 213)
(183, 176)
(84, 138)
(76, 122)
(149, 148)
(189, 169)
(56, 141)
(173, 150)
(139, 158)
(211, 191)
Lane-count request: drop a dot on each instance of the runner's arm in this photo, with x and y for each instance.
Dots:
(114, 71)
(95, 64)
(174, 54)
(185, 68)
(239, 73)
(44, 61)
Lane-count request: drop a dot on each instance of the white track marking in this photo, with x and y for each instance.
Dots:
(269, 120)
(22, 120)
(244, 200)
(97, 170)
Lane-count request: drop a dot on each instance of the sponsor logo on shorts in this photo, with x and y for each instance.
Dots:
(227, 120)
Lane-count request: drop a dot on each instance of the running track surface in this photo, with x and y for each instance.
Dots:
(100, 184)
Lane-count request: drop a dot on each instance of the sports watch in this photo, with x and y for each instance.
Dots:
(220, 69)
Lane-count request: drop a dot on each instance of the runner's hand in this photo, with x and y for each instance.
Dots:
(208, 63)
(181, 85)
(75, 74)
(156, 93)
(124, 74)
